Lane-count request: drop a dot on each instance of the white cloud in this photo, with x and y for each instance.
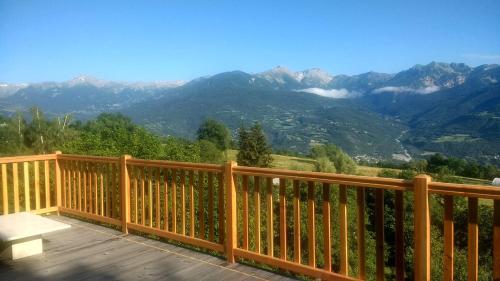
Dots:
(332, 93)
(403, 89)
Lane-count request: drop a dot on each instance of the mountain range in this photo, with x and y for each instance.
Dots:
(450, 108)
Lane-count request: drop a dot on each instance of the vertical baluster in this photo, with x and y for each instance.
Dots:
(5, 192)
(311, 231)
(37, 184)
(360, 198)
(183, 202)
(47, 183)
(96, 197)
(113, 189)
(191, 203)
(221, 208)
(79, 174)
(91, 188)
(69, 173)
(344, 261)
(63, 186)
(282, 206)
(257, 213)
(296, 222)
(150, 197)
(448, 238)
(143, 198)
(84, 191)
(400, 243)
(270, 226)
(136, 194)
(107, 187)
(75, 200)
(472, 241)
(211, 206)
(379, 233)
(27, 197)
(496, 240)
(201, 215)
(245, 211)
(165, 182)
(101, 186)
(158, 204)
(15, 183)
(174, 200)
(326, 228)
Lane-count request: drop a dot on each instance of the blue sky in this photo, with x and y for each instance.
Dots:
(170, 40)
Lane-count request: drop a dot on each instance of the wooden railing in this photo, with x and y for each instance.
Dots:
(268, 216)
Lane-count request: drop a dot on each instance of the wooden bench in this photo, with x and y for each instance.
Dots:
(21, 234)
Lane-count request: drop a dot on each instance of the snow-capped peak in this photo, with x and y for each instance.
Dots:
(311, 77)
(85, 79)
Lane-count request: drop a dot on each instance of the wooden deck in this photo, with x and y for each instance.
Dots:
(92, 252)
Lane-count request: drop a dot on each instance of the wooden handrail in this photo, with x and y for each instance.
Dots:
(154, 200)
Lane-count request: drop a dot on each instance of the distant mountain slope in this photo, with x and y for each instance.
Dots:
(83, 96)
(292, 120)
(439, 107)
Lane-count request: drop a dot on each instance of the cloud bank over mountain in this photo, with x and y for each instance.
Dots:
(331, 93)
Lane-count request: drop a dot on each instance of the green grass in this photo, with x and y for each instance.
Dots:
(305, 164)
(308, 164)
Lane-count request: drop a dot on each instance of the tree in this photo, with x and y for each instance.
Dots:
(253, 148)
(342, 162)
(323, 164)
(11, 139)
(115, 135)
(209, 153)
(215, 132)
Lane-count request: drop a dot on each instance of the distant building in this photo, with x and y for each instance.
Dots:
(496, 181)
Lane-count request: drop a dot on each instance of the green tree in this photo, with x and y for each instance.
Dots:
(209, 153)
(343, 163)
(43, 135)
(115, 135)
(215, 132)
(11, 137)
(323, 164)
(253, 149)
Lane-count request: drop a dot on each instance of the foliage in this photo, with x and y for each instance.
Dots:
(323, 164)
(341, 161)
(209, 152)
(253, 148)
(115, 135)
(216, 133)
(40, 135)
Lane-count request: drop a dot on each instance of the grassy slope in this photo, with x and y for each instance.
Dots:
(304, 164)
(307, 164)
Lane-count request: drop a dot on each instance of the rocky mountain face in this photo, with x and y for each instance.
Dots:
(438, 107)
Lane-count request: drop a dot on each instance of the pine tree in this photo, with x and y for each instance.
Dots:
(253, 148)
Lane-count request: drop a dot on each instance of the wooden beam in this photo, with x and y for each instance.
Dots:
(421, 228)
(125, 192)
(230, 212)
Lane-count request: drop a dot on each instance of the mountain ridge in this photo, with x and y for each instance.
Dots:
(434, 105)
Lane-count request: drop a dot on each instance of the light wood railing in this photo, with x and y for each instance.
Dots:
(267, 216)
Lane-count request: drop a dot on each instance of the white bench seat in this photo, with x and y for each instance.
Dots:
(21, 234)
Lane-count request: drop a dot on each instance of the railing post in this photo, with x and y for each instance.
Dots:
(124, 192)
(230, 211)
(57, 171)
(422, 227)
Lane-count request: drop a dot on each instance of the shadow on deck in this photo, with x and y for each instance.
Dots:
(92, 252)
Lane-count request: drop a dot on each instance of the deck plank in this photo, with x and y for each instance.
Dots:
(92, 252)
